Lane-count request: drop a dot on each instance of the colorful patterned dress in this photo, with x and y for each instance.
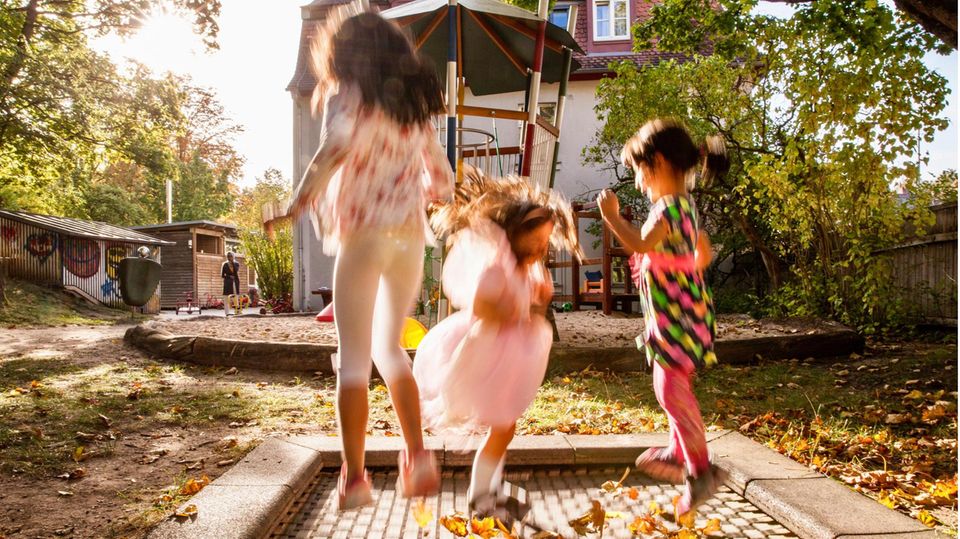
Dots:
(678, 310)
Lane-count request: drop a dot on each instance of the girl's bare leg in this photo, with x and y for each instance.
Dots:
(355, 278)
(399, 285)
(488, 464)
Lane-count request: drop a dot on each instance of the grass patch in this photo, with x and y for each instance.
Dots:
(31, 305)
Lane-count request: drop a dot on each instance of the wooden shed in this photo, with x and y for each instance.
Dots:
(192, 266)
(81, 256)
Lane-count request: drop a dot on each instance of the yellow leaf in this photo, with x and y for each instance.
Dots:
(422, 514)
(78, 454)
(187, 511)
(455, 524)
(887, 500)
(713, 526)
(927, 519)
(485, 528)
(644, 525)
(914, 395)
(686, 534)
(687, 519)
(655, 509)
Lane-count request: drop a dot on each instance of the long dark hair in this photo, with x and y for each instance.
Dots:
(373, 54)
(671, 139)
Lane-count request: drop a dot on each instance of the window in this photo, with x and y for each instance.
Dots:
(611, 19)
(560, 16)
(209, 245)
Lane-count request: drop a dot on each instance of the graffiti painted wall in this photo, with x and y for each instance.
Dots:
(82, 265)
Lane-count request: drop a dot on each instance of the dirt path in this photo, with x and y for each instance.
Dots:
(146, 442)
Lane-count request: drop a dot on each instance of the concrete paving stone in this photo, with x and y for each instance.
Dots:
(274, 462)
(746, 461)
(238, 512)
(924, 534)
(822, 508)
(613, 448)
(380, 450)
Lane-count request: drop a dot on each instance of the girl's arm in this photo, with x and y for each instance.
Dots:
(630, 236)
(440, 186)
(335, 137)
(704, 251)
(488, 302)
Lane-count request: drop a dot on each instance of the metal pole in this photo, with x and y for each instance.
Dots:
(452, 84)
(535, 87)
(169, 201)
(561, 101)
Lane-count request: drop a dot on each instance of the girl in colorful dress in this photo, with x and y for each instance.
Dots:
(480, 368)
(378, 166)
(671, 252)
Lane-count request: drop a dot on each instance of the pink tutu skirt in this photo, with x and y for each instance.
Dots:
(473, 373)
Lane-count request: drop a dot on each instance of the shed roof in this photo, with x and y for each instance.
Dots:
(85, 229)
(185, 225)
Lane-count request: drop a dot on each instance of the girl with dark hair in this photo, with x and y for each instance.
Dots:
(378, 166)
(671, 252)
(480, 368)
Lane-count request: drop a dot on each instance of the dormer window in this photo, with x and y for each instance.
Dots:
(611, 20)
(564, 16)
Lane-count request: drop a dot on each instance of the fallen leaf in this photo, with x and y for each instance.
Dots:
(455, 524)
(186, 512)
(64, 493)
(421, 513)
(227, 462)
(713, 526)
(927, 519)
(231, 370)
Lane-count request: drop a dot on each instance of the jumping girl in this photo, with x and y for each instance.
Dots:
(366, 187)
(480, 368)
(671, 252)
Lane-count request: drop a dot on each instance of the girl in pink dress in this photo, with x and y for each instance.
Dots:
(366, 190)
(481, 367)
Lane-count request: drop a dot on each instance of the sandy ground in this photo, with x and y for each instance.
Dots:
(118, 484)
(583, 328)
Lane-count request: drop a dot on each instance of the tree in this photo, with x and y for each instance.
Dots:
(272, 187)
(820, 112)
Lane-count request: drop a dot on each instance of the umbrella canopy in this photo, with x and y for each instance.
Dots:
(497, 42)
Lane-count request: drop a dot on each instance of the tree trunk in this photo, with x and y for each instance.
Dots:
(19, 57)
(771, 262)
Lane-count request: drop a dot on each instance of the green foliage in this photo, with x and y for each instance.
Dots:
(272, 258)
(941, 190)
(821, 111)
(271, 187)
(72, 123)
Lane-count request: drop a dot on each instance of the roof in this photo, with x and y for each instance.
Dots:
(226, 227)
(85, 229)
(599, 62)
(303, 81)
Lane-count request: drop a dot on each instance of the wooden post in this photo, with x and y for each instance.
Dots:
(534, 99)
(605, 268)
(452, 84)
(575, 264)
(558, 120)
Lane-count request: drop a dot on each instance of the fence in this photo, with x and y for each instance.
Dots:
(925, 269)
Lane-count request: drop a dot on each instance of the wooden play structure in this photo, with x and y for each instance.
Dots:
(609, 289)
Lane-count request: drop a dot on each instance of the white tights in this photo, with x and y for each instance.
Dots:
(376, 279)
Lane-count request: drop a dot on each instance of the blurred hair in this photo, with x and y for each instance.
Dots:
(509, 202)
(671, 139)
(375, 56)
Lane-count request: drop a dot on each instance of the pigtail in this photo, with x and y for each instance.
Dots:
(715, 160)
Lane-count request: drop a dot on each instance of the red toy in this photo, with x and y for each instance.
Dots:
(326, 315)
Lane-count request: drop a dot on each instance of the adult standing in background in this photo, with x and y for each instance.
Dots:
(230, 273)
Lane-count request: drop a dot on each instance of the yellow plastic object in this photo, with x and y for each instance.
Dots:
(413, 333)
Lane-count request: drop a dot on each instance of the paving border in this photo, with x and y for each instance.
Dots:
(249, 500)
(309, 357)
